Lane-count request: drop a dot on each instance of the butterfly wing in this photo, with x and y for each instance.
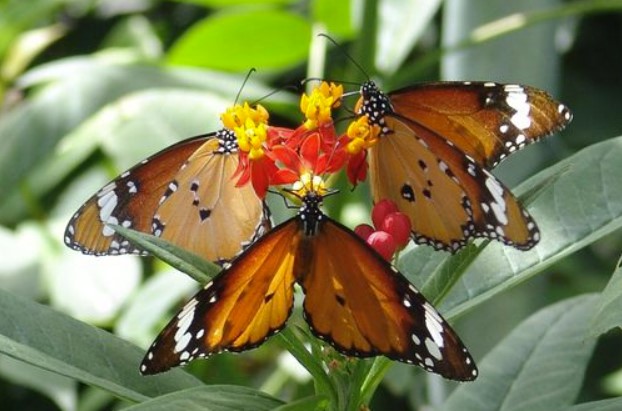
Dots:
(448, 197)
(129, 200)
(204, 212)
(361, 305)
(487, 121)
(208, 215)
(244, 305)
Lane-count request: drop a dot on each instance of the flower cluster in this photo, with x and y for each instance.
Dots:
(391, 230)
(275, 156)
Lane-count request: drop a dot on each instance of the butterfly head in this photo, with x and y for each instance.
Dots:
(310, 190)
(374, 104)
(227, 142)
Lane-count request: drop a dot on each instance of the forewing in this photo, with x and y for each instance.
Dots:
(204, 212)
(364, 307)
(130, 200)
(244, 305)
(486, 120)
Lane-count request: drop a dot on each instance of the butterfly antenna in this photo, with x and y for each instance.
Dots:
(283, 196)
(289, 87)
(248, 75)
(346, 54)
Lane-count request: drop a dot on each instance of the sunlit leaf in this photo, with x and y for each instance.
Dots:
(540, 366)
(265, 39)
(43, 337)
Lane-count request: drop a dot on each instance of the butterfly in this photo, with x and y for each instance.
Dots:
(437, 144)
(185, 194)
(354, 300)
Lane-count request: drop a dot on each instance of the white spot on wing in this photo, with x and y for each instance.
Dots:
(433, 349)
(434, 324)
(498, 205)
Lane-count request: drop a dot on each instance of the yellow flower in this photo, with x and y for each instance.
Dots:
(236, 116)
(362, 135)
(250, 126)
(317, 107)
(307, 183)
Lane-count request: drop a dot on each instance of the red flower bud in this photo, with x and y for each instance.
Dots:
(383, 243)
(398, 225)
(381, 210)
(364, 231)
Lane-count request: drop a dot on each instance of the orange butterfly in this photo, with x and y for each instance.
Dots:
(185, 194)
(354, 300)
(437, 141)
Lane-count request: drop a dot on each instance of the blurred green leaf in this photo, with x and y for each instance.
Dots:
(336, 16)
(90, 291)
(18, 16)
(43, 337)
(539, 366)
(233, 3)
(528, 56)
(211, 398)
(265, 39)
(314, 403)
(403, 23)
(614, 404)
(145, 310)
(609, 310)
(83, 86)
(62, 390)
(582, 205)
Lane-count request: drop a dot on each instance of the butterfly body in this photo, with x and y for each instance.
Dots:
(438, 141)
(185, 194)
(354, 300)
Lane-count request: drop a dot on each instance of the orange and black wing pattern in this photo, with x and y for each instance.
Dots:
(361, 305)
(186, 194)
(448, 197)
(485, 120)
(129, 200)
(244, 305)
(354, 300)
(436, 143)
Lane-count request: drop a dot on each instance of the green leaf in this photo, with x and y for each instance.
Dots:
(609, 310)
(93, 292)
(314, 403)
(141, 319)
(403, 20)
(62, 390)
(265, 39)
(193, 265)
(336, 16)
(40, 336)
(83, 86)
(614, 404)
(234, 3)
(580, 206)
(211, 398)
(539, 366)
(538, 63)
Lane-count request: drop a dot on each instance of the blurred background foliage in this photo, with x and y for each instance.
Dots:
(90, 87)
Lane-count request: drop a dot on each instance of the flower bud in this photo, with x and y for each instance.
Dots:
(381, 210)
(364, 231)
(398, 225)
(383, 243)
